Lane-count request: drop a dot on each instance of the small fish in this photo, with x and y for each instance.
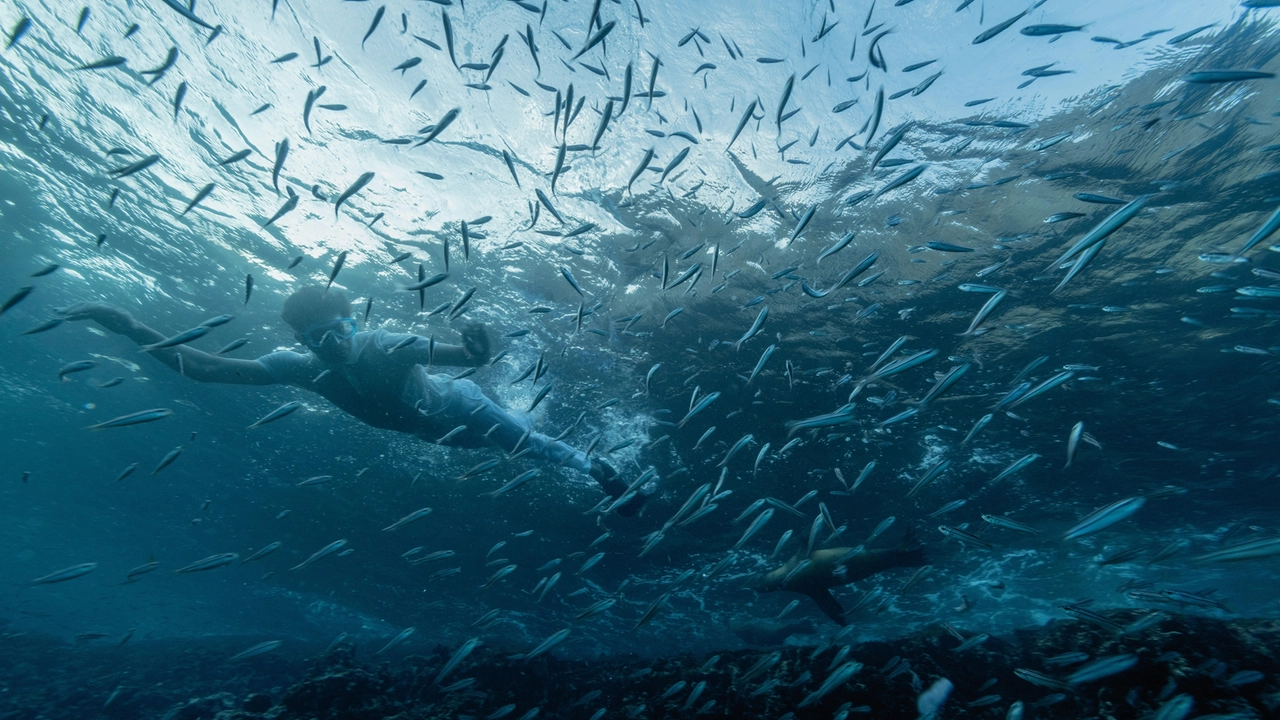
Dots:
(742, 123)
(139, 571)
(444, 122)
(901, 180)
(355, 187)
(1007, 524)
(889, 144)
(800, 226)
(181, 338)
(178, 96)
(259, 649)
(1249, 550)
(282, 152)
(168, 459)
(782, 103)
(1042, 30)
(312, 96)
(185, 11)
(70, 573)
(400, 638)
(498, 576)
(276, 414)
(163, 68)
(553, 640)
(19, 29)
(288, 207)
(323, 552)
(1073, 442)
(236, 157)
(995, 30)
(76, 367)
(1105, 517)
(133, 168)
(568, 276)
(675, 162)
(964, 537)
(1014, 467)
(104, 63)
(201, 195)
(265, 551)
(456, 659)
(596, 39)
(1225, 76)
(1101, 668)
(377, 18)
(137, 418)
(212, 562)
(1098, 199)
(448, 37)
(338, 263)
(754, 329)
(407, 65)
(1062, 216)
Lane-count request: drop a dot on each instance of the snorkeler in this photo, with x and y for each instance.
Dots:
(376, 376)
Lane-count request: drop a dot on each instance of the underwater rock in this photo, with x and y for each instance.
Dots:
(205, 707)
(769, 633)
(1228, 667)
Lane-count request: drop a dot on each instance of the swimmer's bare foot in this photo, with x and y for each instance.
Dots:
(612, 484)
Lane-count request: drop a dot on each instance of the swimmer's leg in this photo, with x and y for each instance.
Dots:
(507, 430)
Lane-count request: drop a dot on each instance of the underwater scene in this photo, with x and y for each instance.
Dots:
(640, 359)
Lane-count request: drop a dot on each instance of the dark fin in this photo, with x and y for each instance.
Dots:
(909, 539)
(828, 604)
(910, 557)
(911, 550)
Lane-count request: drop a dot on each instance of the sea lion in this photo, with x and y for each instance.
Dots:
(831, 567)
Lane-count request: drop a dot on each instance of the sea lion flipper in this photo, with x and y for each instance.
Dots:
(828, 604)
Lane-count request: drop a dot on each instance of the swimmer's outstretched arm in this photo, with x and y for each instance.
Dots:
(473, 352)
(195, 364)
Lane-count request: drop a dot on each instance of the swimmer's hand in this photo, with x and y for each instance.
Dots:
(109, 316)
(475, 343)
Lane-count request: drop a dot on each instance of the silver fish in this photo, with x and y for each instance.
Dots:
(70, 573)
(276, 414)
(1105, 517)
(415, 515)
(260, 649)
(1073, 442)
(1017, 465)
(323, 552)
(1101, 668)
(754, 528)
(210, 563)
(137, 418)
(397, 640)
(456, 659)
(553, 640)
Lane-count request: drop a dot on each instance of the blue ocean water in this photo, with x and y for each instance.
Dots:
(1168, 332)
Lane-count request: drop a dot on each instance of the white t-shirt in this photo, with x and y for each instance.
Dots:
(389, 390)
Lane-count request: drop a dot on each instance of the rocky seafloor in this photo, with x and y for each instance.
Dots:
(1230, 668)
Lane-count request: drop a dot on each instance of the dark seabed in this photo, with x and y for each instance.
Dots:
(909, 325)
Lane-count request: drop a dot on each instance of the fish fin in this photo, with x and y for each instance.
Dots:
(827, 603)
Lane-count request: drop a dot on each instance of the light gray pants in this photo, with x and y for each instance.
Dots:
(462, 402)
